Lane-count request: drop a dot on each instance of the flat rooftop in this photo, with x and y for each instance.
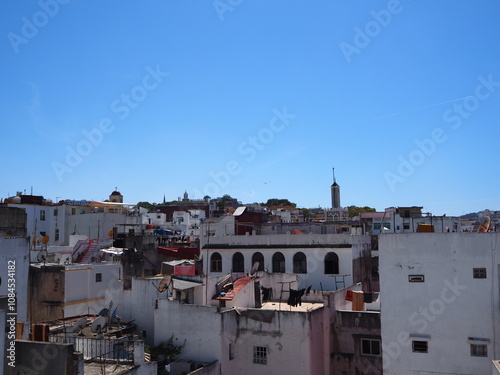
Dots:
(283, 306)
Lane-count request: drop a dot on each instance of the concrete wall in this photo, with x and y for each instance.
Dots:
(5, 340)
(14, 253)
(144, 369)
(199, 327)
(448, 309)
(82, 293)
(139, 303)
(350, 327)
(42, 358)
(12, 221)
(210, 369)
(46, 293)
(291, 346)
(286, 239)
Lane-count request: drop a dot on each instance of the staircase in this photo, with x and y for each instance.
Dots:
(89, 249)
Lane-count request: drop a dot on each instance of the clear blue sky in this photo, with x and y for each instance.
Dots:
(184, 95)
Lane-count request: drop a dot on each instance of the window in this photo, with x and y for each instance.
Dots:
(331, 264)
(479, 273)
(56, 212)
(56, 235)
(416, 278)
(216, 263)
(73, 211)
(370, 347)
(278, 262)
(260, 355)
(299, 263)
(98, 277)
(258, 257)
(419, 346)
(479, 350)
(406, 226)
(42, 215)
(238, 262)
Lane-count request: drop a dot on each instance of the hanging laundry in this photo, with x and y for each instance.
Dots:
(267, 293)
(292, 298)
(308, 290)
(299, 297)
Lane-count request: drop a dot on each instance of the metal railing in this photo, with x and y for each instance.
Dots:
(118, 350)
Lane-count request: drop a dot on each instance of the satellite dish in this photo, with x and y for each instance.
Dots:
(111, 232)
(164, 284)
(255, 268)
(485, 225)
(98, 324)
(113, 315)
(42, 256)
(80, 324)
(45, 239)
(103, 312)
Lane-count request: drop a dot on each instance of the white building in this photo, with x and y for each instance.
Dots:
(140, 301)
(57, 221)
(14, 263)
(248, 341)
(398, 221)
(327, 262)
(58, 291)
(440, 302)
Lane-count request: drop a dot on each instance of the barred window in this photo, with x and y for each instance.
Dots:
(419, 346)
(478, 350)
(479, 273)
(260, 355)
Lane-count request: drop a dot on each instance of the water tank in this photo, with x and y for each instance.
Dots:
(16, 200)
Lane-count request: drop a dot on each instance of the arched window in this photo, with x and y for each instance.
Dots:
(331, 264)
(238, 262)
(278, 262)
(216, 263)
(299, 263)
(258, 257)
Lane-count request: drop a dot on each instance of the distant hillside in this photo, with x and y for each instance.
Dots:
(472, 215)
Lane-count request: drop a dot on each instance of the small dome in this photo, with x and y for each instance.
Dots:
(116, 192)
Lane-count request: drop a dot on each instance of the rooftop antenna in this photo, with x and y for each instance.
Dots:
(334, 181)
(255, 268)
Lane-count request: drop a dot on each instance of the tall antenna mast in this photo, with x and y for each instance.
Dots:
(333, 169)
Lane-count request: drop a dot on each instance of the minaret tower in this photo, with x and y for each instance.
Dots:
(335, 192)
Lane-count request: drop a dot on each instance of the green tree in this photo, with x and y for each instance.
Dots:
(279, 202)
(355, 210)
(151, 207)
(306, 212)
(167, 349)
